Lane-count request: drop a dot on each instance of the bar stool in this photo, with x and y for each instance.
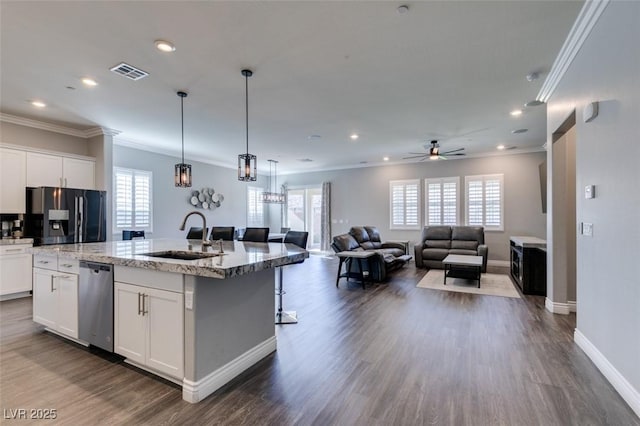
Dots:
(130, 235)
(289, 317)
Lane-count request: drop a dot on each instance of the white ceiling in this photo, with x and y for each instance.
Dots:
(442, 70)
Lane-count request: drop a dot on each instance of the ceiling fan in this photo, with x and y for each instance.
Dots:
(435, 153)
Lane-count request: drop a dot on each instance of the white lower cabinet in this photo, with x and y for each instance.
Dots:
(55, 301)
(15, 269)
(149, 327)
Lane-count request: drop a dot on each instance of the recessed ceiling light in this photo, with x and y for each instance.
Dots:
(402, 9)
(516, 112)
(38, 104)
(533, 103)
(165, 46)
(354, 136)
(89, 82)
(500, 147)
(385, 158)
(519, 130)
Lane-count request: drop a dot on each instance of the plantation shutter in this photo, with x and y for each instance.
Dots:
(404, 200)
(254, 207)
(442, 201)
(132, 199)
(485, 201)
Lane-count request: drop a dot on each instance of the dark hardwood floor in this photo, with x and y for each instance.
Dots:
(392, 354)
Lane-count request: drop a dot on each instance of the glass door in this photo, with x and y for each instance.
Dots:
(304, 213)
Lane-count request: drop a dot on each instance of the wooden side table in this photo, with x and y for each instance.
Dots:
(360, 256)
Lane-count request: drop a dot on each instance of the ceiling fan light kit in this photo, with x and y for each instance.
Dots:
(435, 153)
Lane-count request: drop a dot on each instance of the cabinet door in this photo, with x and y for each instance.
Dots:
(44, 169)
(15, 273)
(66, 286)
(45, 300)
(13, 175)
(78, 173)
(165, 331)
(129, 324)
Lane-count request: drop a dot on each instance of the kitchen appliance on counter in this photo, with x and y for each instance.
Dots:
(95, 307)
(65, 215)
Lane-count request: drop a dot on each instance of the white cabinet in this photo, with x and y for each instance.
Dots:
(13, 166)
(15, 269)
(149, 327)
(54, 170)
(55, 297)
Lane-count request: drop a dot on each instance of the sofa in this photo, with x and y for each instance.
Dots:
(437, 242)
(389, 255)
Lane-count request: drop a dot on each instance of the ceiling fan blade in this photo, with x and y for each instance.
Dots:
(460, 153)
(415, 156)
(441, 157)
(454, 150)
(417, 153)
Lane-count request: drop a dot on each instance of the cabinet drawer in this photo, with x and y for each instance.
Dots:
(45, 261)
(14, 249)
(68, 265)
(169, 281)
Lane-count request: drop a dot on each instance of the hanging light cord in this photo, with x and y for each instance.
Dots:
(182, 115)
(246, 104)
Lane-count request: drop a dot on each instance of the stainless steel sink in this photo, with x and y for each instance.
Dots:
(180, 255)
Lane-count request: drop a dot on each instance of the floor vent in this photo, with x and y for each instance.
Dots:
(129, 71)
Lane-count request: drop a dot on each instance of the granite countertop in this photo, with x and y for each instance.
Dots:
(529, 242)
(239, 258)
(15, 241)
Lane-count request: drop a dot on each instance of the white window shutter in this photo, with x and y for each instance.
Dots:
(404, 204)
(132, 200)
(442, 201)
(485, 201)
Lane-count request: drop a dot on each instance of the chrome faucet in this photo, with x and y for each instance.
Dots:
(220, 241)
(205, 242)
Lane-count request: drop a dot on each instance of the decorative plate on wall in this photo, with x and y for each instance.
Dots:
(206, 198)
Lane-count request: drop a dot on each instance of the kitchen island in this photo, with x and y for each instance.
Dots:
(198, 323)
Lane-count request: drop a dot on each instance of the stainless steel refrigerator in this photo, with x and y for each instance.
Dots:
(65, 215)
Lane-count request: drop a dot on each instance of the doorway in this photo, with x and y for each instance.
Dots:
(304, 213)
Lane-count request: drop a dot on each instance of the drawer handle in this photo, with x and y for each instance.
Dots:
(66, 265)
(139, 308)
(44, 262)
(13, 250)
(64, 277)
(144, 304)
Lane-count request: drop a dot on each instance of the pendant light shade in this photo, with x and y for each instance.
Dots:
(182, 170)
(247, 167)
(273, 197)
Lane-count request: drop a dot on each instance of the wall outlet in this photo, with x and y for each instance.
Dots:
(587, 229)
(188, 300)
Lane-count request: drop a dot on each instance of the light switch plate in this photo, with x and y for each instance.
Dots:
(587, 229)
(589, 191)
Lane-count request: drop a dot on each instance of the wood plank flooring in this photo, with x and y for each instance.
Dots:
(392, 354)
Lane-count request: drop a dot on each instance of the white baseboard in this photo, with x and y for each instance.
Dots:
(197, 391)
(617, 380)
(499, 263)
(557, 308)
(573, 305)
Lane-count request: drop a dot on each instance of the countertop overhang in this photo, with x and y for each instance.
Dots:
(239, 258)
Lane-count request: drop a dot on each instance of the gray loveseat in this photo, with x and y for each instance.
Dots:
(437, 242)
(389, 255)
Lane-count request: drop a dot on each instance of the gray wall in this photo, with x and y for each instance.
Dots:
(607, 69)
(361, 196)
(15, 134)
(171, 204)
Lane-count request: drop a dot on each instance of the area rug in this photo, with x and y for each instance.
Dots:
(490, 284)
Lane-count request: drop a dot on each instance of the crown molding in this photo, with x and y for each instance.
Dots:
(581, 29)
(56, 128)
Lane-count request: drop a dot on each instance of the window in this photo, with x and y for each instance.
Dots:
(441, 196)
(255, 216)
(404, 202)
(132, 200)
(485, 201)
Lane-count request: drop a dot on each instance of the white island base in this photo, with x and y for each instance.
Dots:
(229, 328)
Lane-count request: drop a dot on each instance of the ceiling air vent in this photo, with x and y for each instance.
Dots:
(129, 71)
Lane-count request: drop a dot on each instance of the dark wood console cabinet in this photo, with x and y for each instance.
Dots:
(529, 269)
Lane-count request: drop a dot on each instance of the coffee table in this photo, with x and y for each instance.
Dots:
(462, 266)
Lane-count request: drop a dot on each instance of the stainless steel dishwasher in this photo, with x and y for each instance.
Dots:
(95, 310)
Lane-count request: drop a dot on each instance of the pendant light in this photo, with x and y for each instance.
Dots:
(183, 171)
(247, 169)
(273, 197)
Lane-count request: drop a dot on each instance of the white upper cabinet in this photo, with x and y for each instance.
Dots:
(54, 170)
(13, 166)
(78, 173)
